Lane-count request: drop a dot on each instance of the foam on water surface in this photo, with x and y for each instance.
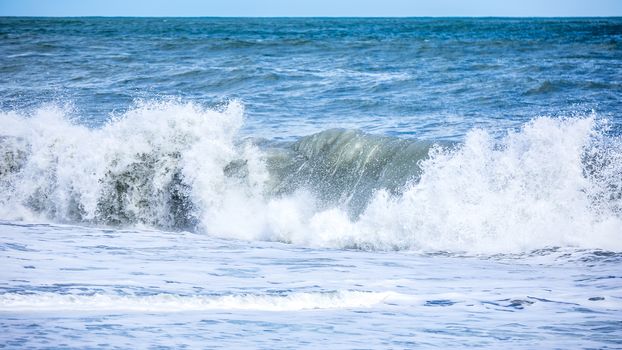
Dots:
(49, 302)
(71, 282)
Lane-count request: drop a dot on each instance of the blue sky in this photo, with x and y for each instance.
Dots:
(296, 8)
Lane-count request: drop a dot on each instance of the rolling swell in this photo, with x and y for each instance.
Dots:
(179, 166)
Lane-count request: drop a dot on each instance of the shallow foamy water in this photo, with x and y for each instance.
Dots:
(72, 286)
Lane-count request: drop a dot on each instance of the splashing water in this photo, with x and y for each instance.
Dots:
(174, 165)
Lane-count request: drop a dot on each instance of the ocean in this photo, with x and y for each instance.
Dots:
(279, 183)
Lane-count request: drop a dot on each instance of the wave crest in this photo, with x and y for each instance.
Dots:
(555, 182)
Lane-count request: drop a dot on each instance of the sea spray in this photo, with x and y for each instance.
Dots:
(180, 166)
(526, 191)
(141, 168)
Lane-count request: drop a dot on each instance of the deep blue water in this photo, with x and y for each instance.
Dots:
(302, 183)
(297, 76)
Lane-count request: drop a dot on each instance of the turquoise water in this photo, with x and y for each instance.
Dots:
(291, 183)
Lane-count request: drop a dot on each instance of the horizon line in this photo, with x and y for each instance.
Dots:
(293, 17)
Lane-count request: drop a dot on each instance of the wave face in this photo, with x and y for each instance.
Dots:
(344, 168)
(179, 166)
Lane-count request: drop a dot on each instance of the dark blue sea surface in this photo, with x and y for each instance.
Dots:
(291, 183)
(427, 77)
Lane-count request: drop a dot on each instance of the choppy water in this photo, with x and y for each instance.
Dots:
(284, 183)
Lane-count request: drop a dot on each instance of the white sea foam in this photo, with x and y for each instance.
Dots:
(527, 191)
(169, 164)
(45, 302)
(69, 170)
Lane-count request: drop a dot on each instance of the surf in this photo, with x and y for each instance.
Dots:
(174, 165)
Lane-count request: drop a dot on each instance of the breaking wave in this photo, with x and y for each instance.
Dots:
(180, 166)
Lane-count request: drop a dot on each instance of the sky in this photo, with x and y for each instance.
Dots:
(307, 8)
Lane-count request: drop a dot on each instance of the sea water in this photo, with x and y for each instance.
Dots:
(297, 183)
